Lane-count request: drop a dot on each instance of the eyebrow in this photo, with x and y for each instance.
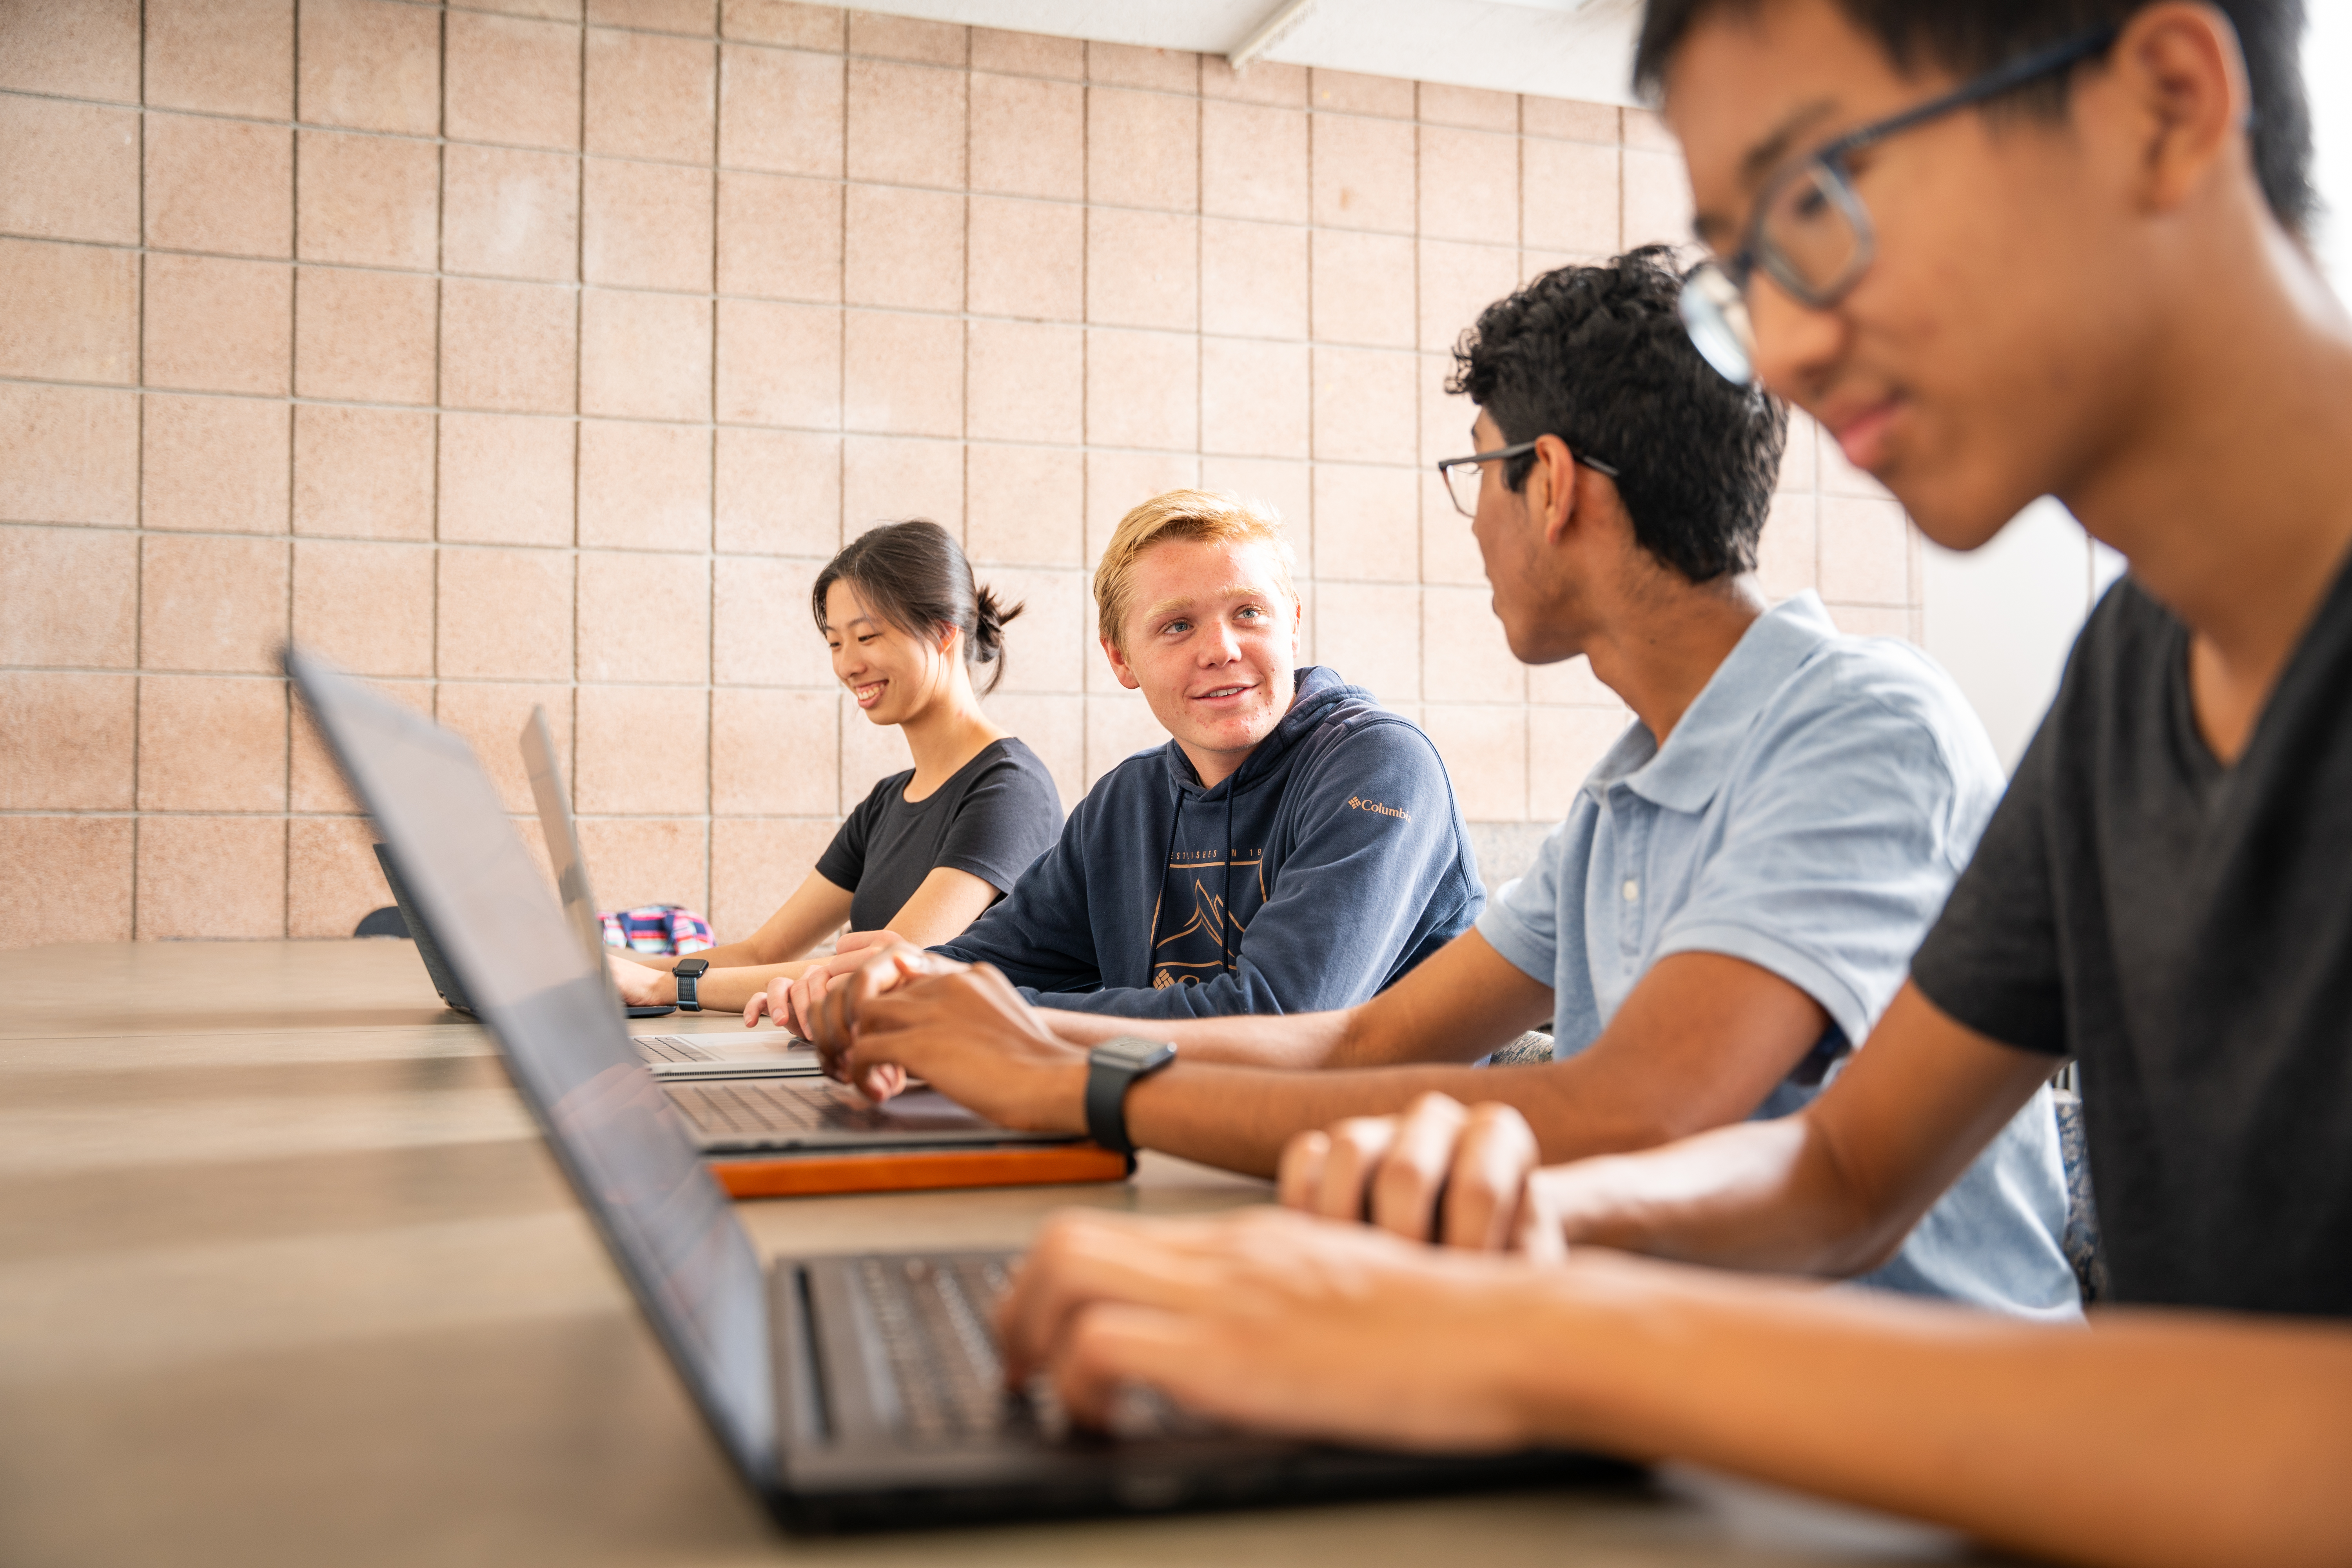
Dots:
(1231, 591)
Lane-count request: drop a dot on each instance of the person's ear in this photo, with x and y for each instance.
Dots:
(1550, 489)
(1118, 666)
(2181, 78)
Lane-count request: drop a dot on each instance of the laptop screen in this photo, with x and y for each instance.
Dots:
(562, 839)
(623, 1146)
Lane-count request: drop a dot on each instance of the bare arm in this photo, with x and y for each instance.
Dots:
(815, 911)
(2156, 1438)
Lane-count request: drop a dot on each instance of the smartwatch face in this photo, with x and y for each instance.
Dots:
(1137, 1053)
(691, 968)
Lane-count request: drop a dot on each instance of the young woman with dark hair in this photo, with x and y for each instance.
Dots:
(929, 848)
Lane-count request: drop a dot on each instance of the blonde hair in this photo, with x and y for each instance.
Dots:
(1183, 514)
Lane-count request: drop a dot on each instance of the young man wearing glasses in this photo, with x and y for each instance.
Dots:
(1733, 895)
(2096, 289)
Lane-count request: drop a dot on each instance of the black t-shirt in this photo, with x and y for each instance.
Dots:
(2185, 930)
(994, 816)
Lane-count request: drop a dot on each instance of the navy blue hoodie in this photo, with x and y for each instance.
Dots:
(1334, 859)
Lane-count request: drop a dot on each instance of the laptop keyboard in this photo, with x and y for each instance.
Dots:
(750, 1107)
(934, 1319)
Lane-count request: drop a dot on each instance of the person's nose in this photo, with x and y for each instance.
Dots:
(1797, 347)
(1222, 646)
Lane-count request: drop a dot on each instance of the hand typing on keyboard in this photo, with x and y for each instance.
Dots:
(961, 1028)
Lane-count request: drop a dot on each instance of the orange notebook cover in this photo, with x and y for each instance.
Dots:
(915, 1170)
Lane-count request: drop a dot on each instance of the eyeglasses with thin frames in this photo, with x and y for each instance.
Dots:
(1809, 232)
(1463, 475)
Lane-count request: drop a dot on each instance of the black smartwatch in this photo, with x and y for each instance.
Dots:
(687, 972)
(1112, 1068)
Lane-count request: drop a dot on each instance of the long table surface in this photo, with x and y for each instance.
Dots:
(286, 1276)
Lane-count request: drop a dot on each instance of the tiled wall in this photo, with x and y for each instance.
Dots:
(512, 355)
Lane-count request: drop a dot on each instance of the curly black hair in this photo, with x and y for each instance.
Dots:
(1597, 356)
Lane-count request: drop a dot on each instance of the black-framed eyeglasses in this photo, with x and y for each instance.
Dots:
(1462, 475)
(1811, 234)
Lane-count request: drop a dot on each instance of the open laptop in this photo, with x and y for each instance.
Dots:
(846, 1391)
(733, 1053)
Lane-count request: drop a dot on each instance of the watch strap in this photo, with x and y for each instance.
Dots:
(688, 976)
(1110, 1073)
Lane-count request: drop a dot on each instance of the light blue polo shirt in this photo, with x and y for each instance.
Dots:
(1808, 815)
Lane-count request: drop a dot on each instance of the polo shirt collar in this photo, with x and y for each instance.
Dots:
(1683, 774)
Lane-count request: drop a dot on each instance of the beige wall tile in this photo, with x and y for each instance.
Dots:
(1350, 93)
(1645, 129)
(778, 493)
(69, 455)
(370, 64)
(363, 473)
(1143, 149)
(774, 754)
(365, 336)
(1253, 397)
(222, 57)
(210, 744)
(1368, 522)
(332, 879)
(504, 615)
(780, 237)
(1465, 656)
(1046, 646)
(1786, 550)
(755, 865)
(644, 616)
(1027, 382)
(1117, 727)
(1363, 173)
(781, 364)
(212, 604)
(785, 22)
(908, 38)
(1469, 185)
(1118, 482)
(72, 312)
(649, 861)
(1131, 65)
(1254, 161)
(75, 48)
(1364, 406)
(65, 742)
(1265, 82)
(1657, 199)
(904, 248)
(1143, 389)
(1798, 470)
(506, 479)
(1029, 137)
(1028, 259)
(512, 80)
(71, 173)
(1028, 54)
(1865, 552)
(1052, 726)
(511, 213)
(214, 465)
(899, 374)
(509, 345)
(870, 752)
(1445, 417)
(1361, 288)
(211, 877)
(888, 477)
(218, 326)
(1569, 117)
(906, 124)
(545, 10)
(644, 357)
(1571, 197)
(699, 17)
(69, 596)
(645, 226)
(1476, 107)
(760, 631)
(219, 186)
(1254, 278)
(645, 486)
(651, 97)
(1024, 505)
(1283, 485)
(83, 862)
(642, 750)
(1838, 476)
(367, 607)
(1564, 745)
(1142, 269)
(1449, 553)
(1485, 753)
(1371, 633)
(779, 111)
(490, 715)
(1458, 281)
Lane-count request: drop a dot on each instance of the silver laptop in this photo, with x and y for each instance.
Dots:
(735, 1053)
(846, 1391)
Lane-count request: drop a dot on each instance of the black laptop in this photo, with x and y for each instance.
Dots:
(846, 1391)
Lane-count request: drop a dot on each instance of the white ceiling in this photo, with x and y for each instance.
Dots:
(1562, 48)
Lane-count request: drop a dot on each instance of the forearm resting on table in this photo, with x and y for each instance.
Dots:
(730, 990)
(2155, 1438)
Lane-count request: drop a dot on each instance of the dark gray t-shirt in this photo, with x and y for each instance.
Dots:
(2184, 931)
(991, 817)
